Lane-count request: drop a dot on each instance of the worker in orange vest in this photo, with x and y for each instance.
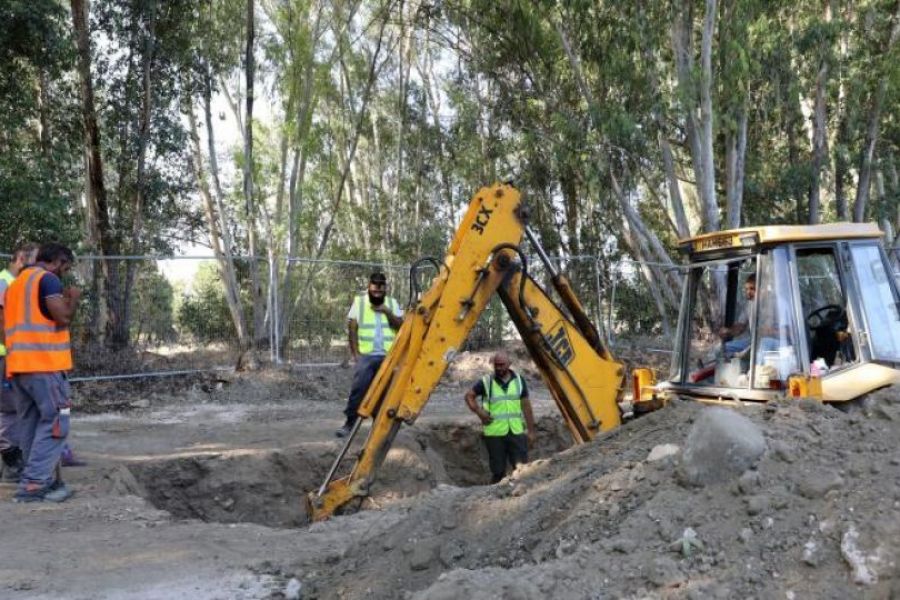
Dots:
(10, 454)
(36, 315)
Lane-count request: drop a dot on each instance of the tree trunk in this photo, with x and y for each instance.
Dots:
(734, 170)
(820, 124)
(867, 153)
(44, 106)
(569, 188)
(256, 291)
(122, 331)
(707, 183)
(97, 207)
(218, 232)
(697, 96)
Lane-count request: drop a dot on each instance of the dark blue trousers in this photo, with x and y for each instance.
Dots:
(363, 374)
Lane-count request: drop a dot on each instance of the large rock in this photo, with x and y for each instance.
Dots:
(720, 446)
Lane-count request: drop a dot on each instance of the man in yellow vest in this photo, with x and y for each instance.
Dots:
(10, 454)
(372, 324)
(36, 316)
(505, 411)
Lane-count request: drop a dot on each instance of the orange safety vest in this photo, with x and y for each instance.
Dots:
(34, 343)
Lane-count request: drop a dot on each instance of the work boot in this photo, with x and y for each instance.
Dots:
(55, 492)
(12, 465)
(343, 431)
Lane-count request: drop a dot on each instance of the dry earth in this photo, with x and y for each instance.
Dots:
(197, 494)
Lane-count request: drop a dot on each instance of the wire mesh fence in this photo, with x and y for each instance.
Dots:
(143, 316)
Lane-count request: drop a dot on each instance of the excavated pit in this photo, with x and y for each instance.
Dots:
(268, 487)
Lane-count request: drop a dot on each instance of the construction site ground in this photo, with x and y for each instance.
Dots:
(197, 492)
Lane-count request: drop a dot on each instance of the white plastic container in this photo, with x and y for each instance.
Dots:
(727, 373)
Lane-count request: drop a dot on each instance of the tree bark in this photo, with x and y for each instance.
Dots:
(873, 128)
(708, 181)
(218, 231)
(698, 98)
(735, 155)
(256, 291)
(99, 228)
(43, 105)
(122, 331)
(820, 124)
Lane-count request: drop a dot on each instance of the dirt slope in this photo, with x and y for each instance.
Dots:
(818, 517)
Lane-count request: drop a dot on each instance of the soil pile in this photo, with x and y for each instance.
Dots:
(817, 514)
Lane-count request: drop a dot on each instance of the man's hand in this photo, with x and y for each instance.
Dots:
(532, 438)
(486, 419)
(724, 332)
(72, 293)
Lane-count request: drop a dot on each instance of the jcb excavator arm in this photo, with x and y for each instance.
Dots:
(483, 258)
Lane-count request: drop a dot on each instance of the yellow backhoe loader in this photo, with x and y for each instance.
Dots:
(806, 329)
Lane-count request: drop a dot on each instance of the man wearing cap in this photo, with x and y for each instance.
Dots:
(372, 324)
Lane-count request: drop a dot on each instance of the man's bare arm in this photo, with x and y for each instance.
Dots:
(353, 338)
(473, 405)
(62, 308)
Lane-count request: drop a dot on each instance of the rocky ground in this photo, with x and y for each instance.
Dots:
(197, 494)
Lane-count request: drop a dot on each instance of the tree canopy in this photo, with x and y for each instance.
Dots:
(357, 129)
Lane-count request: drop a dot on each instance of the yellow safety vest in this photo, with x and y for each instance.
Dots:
(504, 406)
(6, 276)
(368, 324)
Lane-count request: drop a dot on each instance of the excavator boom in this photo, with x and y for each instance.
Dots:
(484, 258)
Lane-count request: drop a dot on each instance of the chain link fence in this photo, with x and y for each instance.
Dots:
(146, 316)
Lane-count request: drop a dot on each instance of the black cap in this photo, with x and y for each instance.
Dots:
(377, 277)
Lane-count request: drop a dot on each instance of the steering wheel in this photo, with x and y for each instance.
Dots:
(832, 316)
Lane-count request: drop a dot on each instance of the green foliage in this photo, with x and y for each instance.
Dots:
(202, 311)
(155, 297)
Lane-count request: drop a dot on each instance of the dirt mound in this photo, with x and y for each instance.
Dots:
(818, 516)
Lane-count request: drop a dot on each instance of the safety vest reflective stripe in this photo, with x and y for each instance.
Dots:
(35, 343)
(504, 406)
(48, 347)
(34, 327)
(367, 324)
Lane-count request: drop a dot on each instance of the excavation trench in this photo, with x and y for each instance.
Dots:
(269, 486)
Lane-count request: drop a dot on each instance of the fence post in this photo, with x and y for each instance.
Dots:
(598, 285)
(612, 305)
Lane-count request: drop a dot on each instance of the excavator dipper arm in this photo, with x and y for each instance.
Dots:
(483, 258)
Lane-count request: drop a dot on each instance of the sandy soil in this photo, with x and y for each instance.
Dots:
(199, 495)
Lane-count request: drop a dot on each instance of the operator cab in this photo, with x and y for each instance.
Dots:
(764, 305)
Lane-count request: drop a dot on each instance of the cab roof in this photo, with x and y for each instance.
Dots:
(774, 234)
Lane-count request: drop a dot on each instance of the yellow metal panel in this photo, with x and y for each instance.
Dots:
(854, 382)
(584, 385)
(771, 234)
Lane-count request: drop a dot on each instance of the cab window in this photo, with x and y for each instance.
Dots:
(824, 307)
(878, 301)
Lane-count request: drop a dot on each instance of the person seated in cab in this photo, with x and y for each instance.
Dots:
(737, 337)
